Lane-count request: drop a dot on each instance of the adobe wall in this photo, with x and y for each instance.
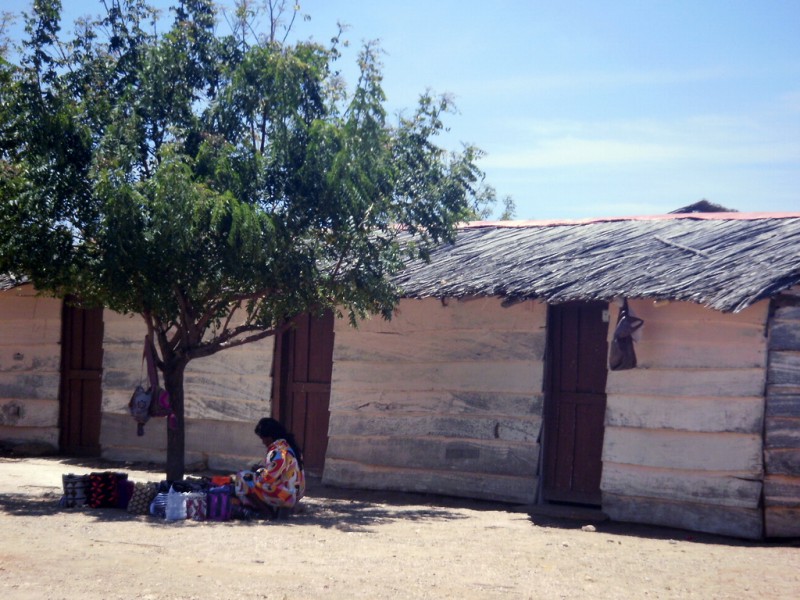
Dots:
(444, 398)
(225, 395)
(683, 440)
(30, 364)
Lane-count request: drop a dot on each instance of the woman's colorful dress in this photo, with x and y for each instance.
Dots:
(280, 483)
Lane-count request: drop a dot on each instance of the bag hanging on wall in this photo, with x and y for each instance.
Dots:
(621, 354)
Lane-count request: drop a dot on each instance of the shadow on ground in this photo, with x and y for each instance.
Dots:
(357, 510)
(341, 513)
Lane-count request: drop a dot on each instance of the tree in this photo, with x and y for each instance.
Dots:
(483, 202)
(217, 185)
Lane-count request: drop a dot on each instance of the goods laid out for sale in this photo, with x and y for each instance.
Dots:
(193, 498)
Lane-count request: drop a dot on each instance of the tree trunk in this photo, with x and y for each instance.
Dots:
(176, 437)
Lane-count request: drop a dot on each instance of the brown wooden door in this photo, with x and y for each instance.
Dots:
(576, 402)
(304, 361)
(81, 372)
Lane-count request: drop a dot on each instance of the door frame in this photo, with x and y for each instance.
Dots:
(80, 388)
(554, 467)
(285, 392)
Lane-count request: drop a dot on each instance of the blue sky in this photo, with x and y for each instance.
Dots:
(589, 109)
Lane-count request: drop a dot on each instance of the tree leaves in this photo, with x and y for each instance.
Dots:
(217, 185)
(178, 174)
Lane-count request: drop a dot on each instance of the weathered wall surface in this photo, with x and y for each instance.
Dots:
(445, 398)
(30, 365)
(683, 439)
(225, 395)
(782, 430)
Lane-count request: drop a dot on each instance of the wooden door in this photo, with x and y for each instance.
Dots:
(304, 364)
(81, 372)
(575, 402)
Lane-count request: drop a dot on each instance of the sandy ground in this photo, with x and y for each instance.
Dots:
(355, 544)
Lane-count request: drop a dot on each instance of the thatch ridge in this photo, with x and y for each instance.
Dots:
(726, 261)
(8, 281)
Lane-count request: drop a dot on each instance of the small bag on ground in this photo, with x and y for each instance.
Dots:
(142, 496)
(124, 492)
(75, 489)
(158, 507)
(104, 489)
(219, 503)
(196, 506)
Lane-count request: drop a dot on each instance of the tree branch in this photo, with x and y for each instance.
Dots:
(156, 331)
(290, 25)
(229, 341)
(188, 327)
(230, 316)
(148, 321)
(215, 307)
(264, 119)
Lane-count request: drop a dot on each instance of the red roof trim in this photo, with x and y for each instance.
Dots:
(714, 216)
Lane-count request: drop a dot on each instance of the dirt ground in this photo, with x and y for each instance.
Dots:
(357, 544)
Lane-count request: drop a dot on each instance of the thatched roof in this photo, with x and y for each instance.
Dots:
(8, 282)
(726, 261)
(702, 206)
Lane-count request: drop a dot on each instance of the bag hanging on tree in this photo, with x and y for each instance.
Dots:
(159, 399)
(621, 354)
(142, 399)
(153, 402)
(139, 407)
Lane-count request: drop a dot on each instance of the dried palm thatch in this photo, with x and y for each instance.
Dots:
(725, 261)
(8, 282)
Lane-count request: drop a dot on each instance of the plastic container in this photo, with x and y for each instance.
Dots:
(176, 505)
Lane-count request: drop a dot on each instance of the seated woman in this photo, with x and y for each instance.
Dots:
(277, 484)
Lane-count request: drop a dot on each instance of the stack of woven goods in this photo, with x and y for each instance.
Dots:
(108, 490)
(74, 489)
(197, 499)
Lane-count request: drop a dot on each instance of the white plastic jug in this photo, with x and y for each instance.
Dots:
(176, 505)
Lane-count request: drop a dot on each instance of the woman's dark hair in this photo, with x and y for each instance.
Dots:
(271, 428)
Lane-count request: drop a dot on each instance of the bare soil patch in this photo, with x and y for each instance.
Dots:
(359, 544)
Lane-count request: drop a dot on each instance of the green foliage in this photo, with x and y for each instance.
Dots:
(176, 175)
(215, 184)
